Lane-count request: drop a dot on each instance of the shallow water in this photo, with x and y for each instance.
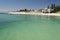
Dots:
(29, 27)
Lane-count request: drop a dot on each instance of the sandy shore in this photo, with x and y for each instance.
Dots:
(33, 13)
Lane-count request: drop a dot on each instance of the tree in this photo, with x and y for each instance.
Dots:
(48, 6)
(52, 6)
(55, 8)
(25, 10)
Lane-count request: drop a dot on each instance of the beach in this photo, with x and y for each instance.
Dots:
(35, 13)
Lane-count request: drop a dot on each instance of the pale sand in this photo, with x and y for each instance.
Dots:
(33, 13)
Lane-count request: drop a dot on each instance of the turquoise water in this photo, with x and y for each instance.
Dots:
(29, 27)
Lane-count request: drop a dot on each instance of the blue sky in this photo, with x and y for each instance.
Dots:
(22, 4)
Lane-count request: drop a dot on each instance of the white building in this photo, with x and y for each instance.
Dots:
(46, 10)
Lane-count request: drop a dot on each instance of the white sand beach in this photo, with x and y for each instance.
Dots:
(34, 13)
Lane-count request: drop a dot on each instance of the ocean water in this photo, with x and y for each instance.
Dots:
(29, 27)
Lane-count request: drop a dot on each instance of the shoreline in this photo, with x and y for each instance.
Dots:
(34, 13)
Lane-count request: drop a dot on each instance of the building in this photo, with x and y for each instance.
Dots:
(47, 10)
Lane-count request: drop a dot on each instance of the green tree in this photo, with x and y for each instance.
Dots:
(25, 10)
(55, 8)
(52, 6)
(48, 6)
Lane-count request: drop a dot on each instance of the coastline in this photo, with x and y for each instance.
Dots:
(35, 13)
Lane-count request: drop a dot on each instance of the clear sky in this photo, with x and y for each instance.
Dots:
(22, 4)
